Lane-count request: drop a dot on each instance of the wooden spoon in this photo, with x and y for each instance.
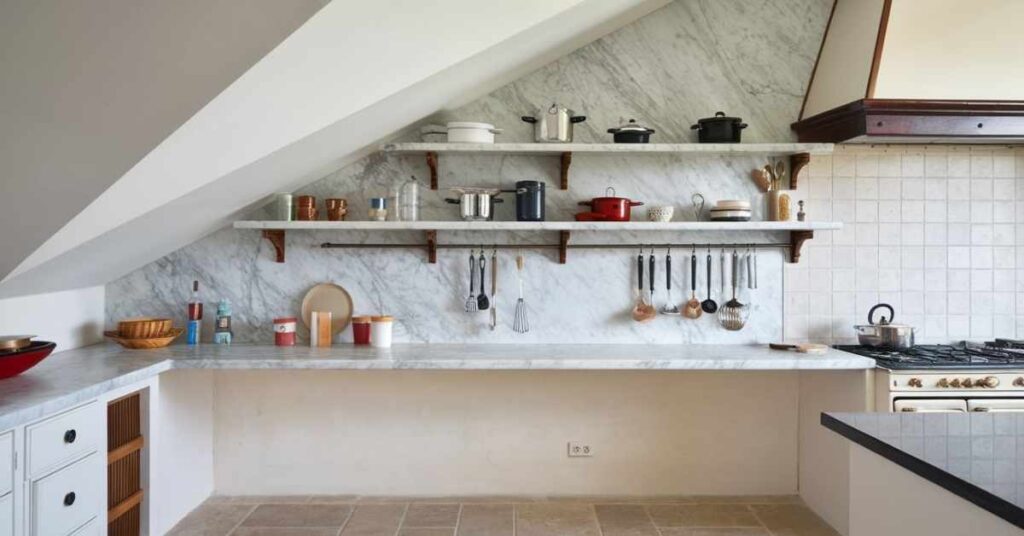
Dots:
(692, 308)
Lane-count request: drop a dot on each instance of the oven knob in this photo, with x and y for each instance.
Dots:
(1019, 382)
(955, 383)
(914, 382)
(967, 383)
(988, 381)
(943, 382)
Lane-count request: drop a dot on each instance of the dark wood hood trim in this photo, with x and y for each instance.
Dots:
(957, 121)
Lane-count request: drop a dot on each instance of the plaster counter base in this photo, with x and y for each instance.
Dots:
(887, 499)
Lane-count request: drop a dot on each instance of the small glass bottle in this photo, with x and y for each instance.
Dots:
(195, 316)
(409, 199)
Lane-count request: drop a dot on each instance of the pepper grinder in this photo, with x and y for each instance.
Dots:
(800, 214)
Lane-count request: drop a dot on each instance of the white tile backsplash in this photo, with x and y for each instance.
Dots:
(938, 232)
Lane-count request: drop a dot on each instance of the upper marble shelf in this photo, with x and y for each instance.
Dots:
(767, 149)
(542, 225)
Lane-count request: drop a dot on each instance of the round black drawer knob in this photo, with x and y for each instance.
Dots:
(69, 499)
(70, 436)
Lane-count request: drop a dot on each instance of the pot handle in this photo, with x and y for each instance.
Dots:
(452, 201)
(577, 119)
(635, 203)
(613, 131)
(499, 130)
(741, 126)
(694, 127)
(871, 314)
(497, 200)
(586, 204)
(719, 114)
(529, 119)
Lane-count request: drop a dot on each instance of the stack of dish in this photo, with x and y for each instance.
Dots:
(144, 333)
(731, 210)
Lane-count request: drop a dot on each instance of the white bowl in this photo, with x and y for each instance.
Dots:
(661, 213)
(467, 132)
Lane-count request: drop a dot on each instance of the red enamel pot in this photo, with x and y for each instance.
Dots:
(16, 362)
(611, 208)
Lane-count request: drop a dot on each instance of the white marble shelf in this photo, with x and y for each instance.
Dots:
(768, 149)
(69, 378)
(689, 226)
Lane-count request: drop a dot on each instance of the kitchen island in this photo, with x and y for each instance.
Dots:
(935, 474)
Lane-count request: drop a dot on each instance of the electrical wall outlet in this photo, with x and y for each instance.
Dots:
(579, 449)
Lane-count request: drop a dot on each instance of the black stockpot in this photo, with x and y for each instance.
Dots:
(529, 201)
(719, 129)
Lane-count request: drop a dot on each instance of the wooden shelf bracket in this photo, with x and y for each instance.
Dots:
(797, 162)
(796, 243)
(432, 247)
(563, 246)
(432, 164)
(276, 238)
(566, 162)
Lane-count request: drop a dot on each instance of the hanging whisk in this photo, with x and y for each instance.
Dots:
(521, 324)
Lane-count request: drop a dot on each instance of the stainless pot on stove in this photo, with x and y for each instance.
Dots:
(884, 333)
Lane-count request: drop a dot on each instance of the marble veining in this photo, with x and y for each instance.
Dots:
(681, 63)
(75, 376)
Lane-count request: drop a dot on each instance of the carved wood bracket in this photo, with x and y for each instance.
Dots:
(276, 239)
(432, 164)
(797, 162)
(564, 177)
(796, 243)
(432, 247)
(563, 246)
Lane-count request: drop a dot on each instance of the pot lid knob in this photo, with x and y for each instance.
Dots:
(609, 192)
(719, 114)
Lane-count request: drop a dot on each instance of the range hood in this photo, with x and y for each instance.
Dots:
(918, 71)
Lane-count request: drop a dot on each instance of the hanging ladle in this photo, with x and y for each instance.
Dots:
(709, 306)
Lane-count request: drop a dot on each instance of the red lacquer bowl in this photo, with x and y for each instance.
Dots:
(14, 363)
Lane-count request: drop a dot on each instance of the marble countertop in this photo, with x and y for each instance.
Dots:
(978, 456)
(67, 378)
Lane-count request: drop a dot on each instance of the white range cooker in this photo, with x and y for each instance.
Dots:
(961, 377)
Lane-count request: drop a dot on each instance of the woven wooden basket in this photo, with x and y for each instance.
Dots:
(145, 344)
(143, 328)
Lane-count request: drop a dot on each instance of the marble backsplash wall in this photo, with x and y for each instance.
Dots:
(683, 62)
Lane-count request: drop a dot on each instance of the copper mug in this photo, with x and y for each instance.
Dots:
(337, 208)
(305, 201)
(306, 214)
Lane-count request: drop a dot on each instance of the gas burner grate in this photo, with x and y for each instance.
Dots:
(1001, 353)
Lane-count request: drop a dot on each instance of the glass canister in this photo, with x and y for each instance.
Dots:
(361, 330)
(409, 200)
(380, 331)
(378, 209)
(529, 201)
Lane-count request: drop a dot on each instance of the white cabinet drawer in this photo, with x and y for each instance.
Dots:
(7, 515)
(67, 499)
(63, 438)
(6, 462)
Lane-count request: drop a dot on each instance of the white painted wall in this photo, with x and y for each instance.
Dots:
(71, 318)
(314, 101)
(478, 433)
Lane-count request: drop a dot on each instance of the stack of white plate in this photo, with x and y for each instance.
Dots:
(731, 210)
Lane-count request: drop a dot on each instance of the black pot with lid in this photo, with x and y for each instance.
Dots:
(631, 132)
(719, 129)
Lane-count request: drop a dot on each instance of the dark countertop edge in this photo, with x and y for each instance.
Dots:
(955, 485)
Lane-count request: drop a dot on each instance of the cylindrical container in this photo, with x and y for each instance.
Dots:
(779, 205)
(305, 208)
(284, 331)
(337, 208)
(361, 330)
(409, 201)
(378, 209)
(284, 210)
(380, 331)
(529, 201)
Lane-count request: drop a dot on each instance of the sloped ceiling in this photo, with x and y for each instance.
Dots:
(355, 73)
(88, 88)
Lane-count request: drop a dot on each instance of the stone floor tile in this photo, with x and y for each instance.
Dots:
(375, 520)
(746, 499)
(259, 499)
(427, 532)
(332, 499)
(211, 519)
(424, 515)
(556, 519)
(679, 531)
(486, 520)
(791, 520)
(702, 515)
(624, 520)
(285, 531)
(298, 515)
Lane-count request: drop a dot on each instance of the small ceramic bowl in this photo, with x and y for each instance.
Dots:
(660, 213)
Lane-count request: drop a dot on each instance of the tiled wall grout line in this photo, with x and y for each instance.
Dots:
(458, 520)
(401, 521)
(593, 512)
(351, 513)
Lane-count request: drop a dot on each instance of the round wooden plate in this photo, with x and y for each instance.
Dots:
(328, 297)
